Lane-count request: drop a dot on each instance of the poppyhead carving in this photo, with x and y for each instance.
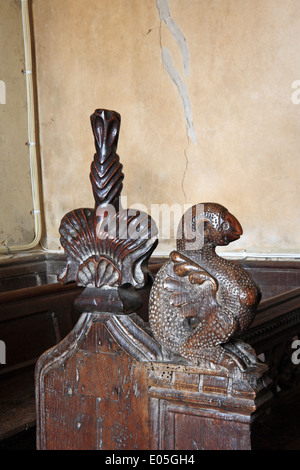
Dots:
(107, 246)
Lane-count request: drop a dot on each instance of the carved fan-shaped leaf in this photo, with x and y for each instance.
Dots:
(129, 238)
(77, 237)
(98, 273)
(77, 234)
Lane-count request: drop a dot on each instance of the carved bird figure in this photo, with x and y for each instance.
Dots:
(200, 302)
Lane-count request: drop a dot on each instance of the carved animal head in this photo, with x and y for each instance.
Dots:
(208, 223)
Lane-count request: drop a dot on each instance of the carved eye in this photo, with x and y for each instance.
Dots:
(226, 226)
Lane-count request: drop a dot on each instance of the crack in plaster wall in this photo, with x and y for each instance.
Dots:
(165, 16)
(175, 76)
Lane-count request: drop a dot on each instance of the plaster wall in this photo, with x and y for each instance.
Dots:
(16, 221)
(205, 91)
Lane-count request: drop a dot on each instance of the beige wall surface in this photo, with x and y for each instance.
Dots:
(16, 223)
(205, 91)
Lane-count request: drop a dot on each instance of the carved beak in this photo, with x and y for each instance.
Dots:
(235, 230)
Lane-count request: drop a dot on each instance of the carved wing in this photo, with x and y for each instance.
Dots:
(184, 266)
(191, 287)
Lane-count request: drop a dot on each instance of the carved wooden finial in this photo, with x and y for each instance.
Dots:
(106, 170)
(200, 303)
(107, 246)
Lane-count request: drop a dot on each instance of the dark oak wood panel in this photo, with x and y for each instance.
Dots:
(141, 403)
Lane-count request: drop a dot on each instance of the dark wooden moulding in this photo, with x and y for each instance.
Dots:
(109, 384)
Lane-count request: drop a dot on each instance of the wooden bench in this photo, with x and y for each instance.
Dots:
(35, 318)
(32, 320)
(68, 384)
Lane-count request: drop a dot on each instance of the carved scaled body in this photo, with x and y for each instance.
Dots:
(200, 302)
